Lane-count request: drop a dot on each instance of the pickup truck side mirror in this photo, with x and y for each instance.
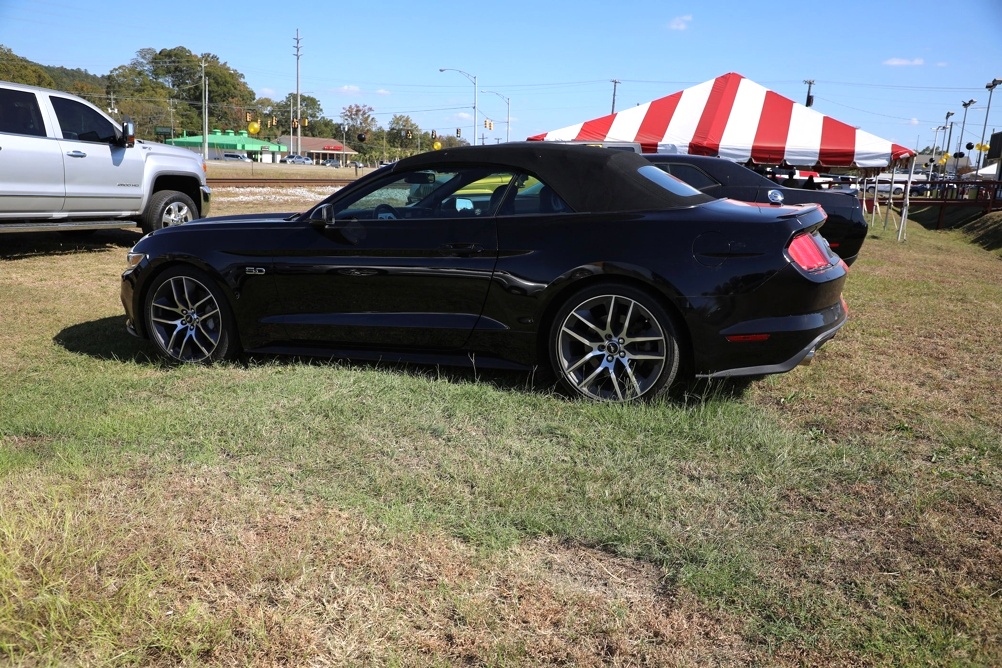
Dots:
(128, 133)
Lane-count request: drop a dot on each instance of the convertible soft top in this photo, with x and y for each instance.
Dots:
(588, 178)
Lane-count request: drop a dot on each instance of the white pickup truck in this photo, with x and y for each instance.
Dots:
(66, 165)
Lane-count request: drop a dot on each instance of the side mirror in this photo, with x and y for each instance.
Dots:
(128, 133)
(322, 216)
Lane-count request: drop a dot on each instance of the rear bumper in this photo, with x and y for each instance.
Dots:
(792, 341)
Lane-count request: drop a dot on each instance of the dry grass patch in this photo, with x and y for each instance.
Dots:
(192, 568)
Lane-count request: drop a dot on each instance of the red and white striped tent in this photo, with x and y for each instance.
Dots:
(736, 118)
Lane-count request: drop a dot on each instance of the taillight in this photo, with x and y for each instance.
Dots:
(809, 252)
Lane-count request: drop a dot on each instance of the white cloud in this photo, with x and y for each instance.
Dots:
(913, 121)
(899, 62)
(680, 22)
(350, 89)
(383, 91)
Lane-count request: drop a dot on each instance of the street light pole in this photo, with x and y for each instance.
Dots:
(935, 138)
(473, 78)
(960, 141)
(507, 101)
(991, 89)
(947, 125)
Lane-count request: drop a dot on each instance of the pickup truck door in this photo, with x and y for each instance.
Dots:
(31, 164)
(102, 177)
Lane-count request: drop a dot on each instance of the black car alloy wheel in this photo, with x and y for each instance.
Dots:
(187, 317)
(614, 343)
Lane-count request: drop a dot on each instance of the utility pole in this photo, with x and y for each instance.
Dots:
(949, 138)
(205, 114)
(810, 98)
(615, 82)
(299, 106)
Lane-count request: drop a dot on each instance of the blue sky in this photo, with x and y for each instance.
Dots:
(892, 67)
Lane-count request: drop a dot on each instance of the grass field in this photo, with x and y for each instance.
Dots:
(325, 513)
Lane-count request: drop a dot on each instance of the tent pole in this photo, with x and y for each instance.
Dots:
(904, 209)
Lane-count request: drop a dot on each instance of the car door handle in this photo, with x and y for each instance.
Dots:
(76, 154)
(463, 249)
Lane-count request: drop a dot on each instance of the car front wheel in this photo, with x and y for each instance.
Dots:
(166, 208)
(188, 318)
(614, 343)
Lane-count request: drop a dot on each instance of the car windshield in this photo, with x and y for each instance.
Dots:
(672, 184)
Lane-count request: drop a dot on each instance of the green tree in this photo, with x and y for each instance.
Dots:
(20, 70)
(130, 92)
(309, 108)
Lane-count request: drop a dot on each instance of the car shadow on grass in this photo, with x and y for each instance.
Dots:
(107, 339)
(34, 244)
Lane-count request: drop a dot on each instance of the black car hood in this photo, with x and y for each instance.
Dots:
(244, 218)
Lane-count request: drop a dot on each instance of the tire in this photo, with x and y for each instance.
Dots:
(869, 190)
(188, 318)
(166, 208)
(898, 191)
(614, 342)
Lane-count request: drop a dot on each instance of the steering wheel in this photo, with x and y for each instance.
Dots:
(385, 211)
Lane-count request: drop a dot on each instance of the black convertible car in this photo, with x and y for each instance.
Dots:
(591, 262)
(846, 227)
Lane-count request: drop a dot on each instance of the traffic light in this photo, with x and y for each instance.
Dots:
(295, 123)
(459, 132)
(410, 135)
(434, 135)
(492, 125)
(249, 117)
(274, 121)
(970, 146)
(486, 123)
(306, 122)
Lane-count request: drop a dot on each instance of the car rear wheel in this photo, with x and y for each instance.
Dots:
(614, 343)
(166, 208)
(188, 318)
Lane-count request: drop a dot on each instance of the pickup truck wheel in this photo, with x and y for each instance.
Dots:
(188, 317)
(166, 208)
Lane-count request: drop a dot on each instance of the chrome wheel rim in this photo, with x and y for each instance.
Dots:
(185, 320)
(611, 348)
(176, 213)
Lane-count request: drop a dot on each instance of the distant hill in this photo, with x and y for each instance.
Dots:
(76, 80)
(21, 70)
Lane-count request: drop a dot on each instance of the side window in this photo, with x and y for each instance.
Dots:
(83, 123)
(694, 176)
(20, 113)
(461, 192)
(533, 197)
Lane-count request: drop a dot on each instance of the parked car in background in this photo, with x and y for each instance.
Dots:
(846, 227)
(618, 277)
(293, 159)
(356, 163)
(65, 165)
(331, 162)
(236, 157)
(841, 182)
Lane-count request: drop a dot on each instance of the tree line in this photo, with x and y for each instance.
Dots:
(163, 89)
